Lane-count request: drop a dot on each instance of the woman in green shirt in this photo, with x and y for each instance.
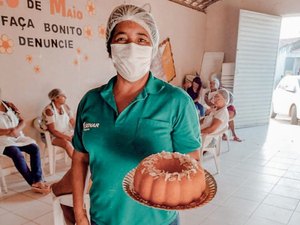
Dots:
(122, 122)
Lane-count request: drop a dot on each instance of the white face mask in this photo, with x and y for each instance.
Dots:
(132, 61)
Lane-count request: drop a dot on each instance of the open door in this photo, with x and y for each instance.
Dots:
(258, 38)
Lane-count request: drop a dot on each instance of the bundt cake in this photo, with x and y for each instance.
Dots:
(170, 179)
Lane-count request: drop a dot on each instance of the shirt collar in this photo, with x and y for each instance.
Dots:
(153, 86)
(107, 93)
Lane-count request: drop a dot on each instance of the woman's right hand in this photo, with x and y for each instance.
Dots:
(206, 98)
(68, 138)
(82, 219)
(208, 111)
(14, 132)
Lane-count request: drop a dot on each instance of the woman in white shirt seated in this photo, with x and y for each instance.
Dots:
(57, 118)
(214, 85)
(218, 117)
(13, 143)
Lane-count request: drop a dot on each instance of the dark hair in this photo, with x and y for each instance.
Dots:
(108, 43)
(198, 81)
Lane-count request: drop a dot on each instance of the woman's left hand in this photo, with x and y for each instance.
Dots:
(14, 133)
(68, 138)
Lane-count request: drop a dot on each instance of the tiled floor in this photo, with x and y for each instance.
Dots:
(259, 184)
(21, 206)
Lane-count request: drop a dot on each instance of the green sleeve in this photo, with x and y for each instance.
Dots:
(77, 138)
(186, 131)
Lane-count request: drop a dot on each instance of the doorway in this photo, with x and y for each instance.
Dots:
(286, 94)
(258, 37)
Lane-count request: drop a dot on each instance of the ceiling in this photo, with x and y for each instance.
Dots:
(199, 5)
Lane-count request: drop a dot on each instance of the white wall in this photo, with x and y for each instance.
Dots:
(28, 89)
(223, 16)
(191, 33)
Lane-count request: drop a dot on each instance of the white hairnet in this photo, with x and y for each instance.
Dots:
(217, 82)
(225, 95)
(54, 93)
(135, 14)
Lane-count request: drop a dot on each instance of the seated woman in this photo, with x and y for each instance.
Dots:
(194, 92)
(214, 85)
(186, 84)
(218, 117)
(13, 143)
(58, 120)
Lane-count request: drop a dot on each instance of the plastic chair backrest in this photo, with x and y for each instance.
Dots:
(3, 181)
(37, 124)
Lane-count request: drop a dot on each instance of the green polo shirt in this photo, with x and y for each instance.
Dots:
(162, 117)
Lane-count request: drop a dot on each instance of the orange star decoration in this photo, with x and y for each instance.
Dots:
(11, 3)
(6, 45)
(102, 31)
(37, 69)
(90, 7)
(86, 58)
(75, 62)
(78, 50)
(88, 32)
(29, 58)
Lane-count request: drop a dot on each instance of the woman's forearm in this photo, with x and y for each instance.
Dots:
(16, 131)
(56, 133)
(72, 122)
(213, 127)
(59, 134)
(20, 126)
(208, 130)
(5, 131)
(79, 172)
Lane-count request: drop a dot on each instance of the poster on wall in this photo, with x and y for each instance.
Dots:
(163, 64)
(52, 44)
(211, 65)
(55, 38)
(167, 60)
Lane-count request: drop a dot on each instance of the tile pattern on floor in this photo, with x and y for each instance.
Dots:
(259, 184)
(22, 206)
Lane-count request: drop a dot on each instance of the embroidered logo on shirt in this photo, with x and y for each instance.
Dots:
(88, 126)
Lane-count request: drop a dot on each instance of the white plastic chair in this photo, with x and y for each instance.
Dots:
(215, 149)
(68, 201)
(3, 181)
(49, 147)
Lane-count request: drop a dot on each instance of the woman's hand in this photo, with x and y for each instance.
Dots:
(214, 125)
(82, 219)
(14, 132)
(204, 132)
(208, 111)
(68, 138)
(206, 97)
